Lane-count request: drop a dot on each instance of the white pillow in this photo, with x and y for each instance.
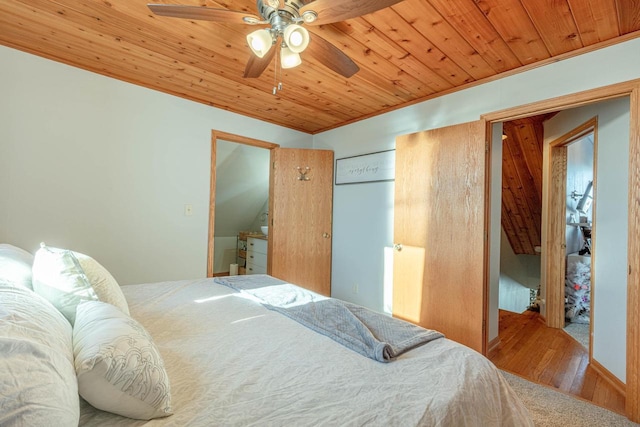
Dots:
(118, 366)
(102, 282)
(15, 265)
(37, 378)
(58, 276)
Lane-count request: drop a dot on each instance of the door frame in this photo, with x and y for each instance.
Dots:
(555, 244)
(629, 89)
(215, 135)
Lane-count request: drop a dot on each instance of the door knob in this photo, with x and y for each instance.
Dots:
(397, 247)
(326, 235)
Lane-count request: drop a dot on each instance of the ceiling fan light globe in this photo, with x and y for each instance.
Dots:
(296, 37)
(289, 59)
(260, 42)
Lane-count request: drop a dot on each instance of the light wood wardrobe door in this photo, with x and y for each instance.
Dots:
(439, 231)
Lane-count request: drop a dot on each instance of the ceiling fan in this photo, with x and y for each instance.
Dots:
(285, 19)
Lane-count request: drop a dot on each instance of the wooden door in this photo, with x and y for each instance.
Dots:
(439, 231)
(555, 245)
(300, 217)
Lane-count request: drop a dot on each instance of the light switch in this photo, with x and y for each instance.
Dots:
(188, 210)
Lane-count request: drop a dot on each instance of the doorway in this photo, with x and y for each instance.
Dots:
(520, 245)
(608, 336)
(242, 202)
(521, 212)
(573, 156)
(226, 252)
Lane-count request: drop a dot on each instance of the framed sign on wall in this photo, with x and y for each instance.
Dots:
(371, 167)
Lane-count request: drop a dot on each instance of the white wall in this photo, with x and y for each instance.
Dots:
(242, 187)
(518, 275)
(225, 253)
(495, 230)
(523, 269)
(363, 217)
(105, 167)
(609, 292)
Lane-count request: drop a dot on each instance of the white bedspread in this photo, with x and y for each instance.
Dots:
(232, 362)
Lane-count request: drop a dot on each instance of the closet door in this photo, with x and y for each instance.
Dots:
(300, 217)
(439, 231)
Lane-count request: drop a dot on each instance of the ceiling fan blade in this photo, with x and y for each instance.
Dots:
(330, 11)
(331, 57)
(202, 13)
(257, 65)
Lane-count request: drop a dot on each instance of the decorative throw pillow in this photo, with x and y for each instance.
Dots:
(37, 377)
(58, 276)
(15, 265)
(102, 282)
(118, 366)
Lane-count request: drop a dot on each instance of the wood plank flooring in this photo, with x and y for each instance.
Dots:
(551, 357)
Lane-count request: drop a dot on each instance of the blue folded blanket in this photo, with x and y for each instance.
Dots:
(371, 334)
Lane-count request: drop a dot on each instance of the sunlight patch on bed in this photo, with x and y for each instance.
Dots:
(285, 295)
(247, 318)
(219, 297)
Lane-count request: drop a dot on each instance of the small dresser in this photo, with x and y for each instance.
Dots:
(256, 255)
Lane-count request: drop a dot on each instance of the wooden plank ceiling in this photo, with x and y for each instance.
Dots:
(410, 52)
(522, 182)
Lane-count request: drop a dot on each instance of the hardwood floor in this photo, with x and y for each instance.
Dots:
(550, 356)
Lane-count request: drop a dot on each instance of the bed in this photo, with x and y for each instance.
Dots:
(232, 361)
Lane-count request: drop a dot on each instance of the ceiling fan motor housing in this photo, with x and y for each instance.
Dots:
(280, 15)
(279, 18)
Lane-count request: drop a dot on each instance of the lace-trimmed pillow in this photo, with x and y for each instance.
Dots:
(102, 282)
(118, 366)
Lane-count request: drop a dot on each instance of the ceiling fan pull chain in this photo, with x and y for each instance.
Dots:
(275, 74)
(275, 78)
(277, 86)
